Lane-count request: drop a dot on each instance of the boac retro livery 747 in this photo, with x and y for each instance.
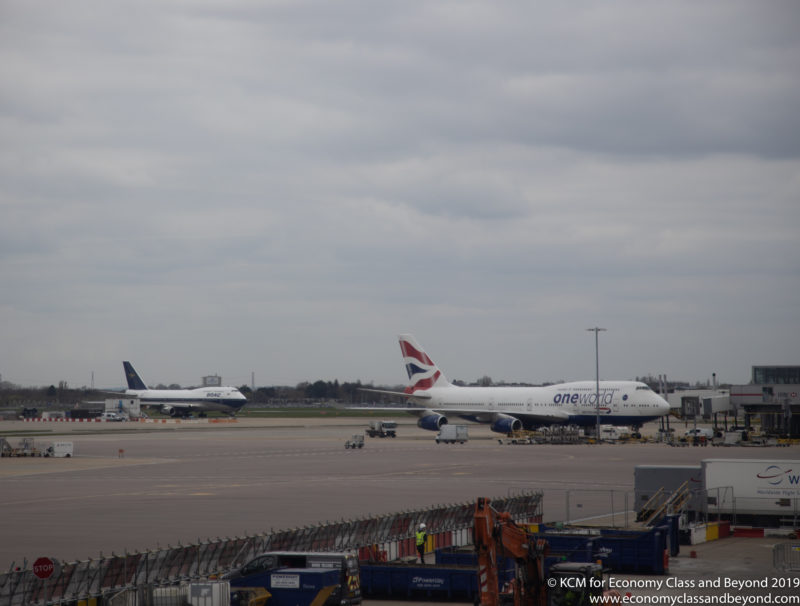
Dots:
(182, 402)
(434, 399)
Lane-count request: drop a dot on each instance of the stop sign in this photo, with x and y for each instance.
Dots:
(43, 568)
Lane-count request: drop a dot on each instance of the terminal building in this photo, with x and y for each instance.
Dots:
(773, 395)
(771, 400)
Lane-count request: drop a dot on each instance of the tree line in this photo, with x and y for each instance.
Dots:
(313, 392)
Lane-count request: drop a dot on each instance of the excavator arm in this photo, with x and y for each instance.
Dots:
(497, 534)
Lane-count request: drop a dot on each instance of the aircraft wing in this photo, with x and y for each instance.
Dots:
(389, 409)
(182, 404)
(484, 415)
(155, 402)
(548, 418)
(399, 394)
(479, 414)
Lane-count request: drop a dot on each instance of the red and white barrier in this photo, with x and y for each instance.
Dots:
(176, 421)
(62, 420)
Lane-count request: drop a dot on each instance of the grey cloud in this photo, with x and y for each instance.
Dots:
(280, 178)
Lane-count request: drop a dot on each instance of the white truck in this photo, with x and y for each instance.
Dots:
(382, 429)
(450, 434)
(59, 450)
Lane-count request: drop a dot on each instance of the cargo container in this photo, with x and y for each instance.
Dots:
(415, 582)
(450, 434)
(626, 551)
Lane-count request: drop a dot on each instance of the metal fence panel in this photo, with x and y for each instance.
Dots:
(786, 556)
(121, 575)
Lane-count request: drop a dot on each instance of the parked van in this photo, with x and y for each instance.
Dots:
(59, 449)
(112, 416)
(256, 573)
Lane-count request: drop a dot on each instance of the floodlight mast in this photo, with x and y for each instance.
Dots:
(596, 331)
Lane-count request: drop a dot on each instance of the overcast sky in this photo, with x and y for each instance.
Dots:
(281, 188)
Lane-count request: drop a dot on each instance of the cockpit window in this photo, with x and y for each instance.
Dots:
(643, 388)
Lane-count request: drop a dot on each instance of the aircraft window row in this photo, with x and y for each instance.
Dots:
(591, 389)
(469, 404)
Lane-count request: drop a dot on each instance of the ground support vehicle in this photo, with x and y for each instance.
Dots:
(25, 448)
(382, 429)
(450, 434)
(331, 578)
(518, 437)
(249, 596)
(699, 432)
(291, 587)
(576, 583)
(356, 441)
(59, 450)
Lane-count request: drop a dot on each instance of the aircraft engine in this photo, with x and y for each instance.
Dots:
(169, 410)
(432, 422)
(506, 424)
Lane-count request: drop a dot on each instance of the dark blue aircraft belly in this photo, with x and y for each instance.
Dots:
(591, 420)
(586, 420)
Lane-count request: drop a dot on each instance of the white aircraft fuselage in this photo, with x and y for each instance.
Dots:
(224, 399)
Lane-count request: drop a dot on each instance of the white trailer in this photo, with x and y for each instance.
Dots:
(450, 434)
(755, 487)
(60, 450)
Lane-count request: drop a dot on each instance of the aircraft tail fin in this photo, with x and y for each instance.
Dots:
(134, 381)
(422, 371)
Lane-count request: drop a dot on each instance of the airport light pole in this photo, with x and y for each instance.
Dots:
(596, 331)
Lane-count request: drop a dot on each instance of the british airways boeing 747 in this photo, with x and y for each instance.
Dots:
(508, 409)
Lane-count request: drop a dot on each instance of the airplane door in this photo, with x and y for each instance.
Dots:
(530, 405)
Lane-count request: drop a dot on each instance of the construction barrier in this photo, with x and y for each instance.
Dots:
(62, 420)
(153, 421)
(786, 556)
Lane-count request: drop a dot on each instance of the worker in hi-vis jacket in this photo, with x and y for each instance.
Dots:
(421, 536)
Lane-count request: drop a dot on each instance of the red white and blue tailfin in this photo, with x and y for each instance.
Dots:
(422, 372)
